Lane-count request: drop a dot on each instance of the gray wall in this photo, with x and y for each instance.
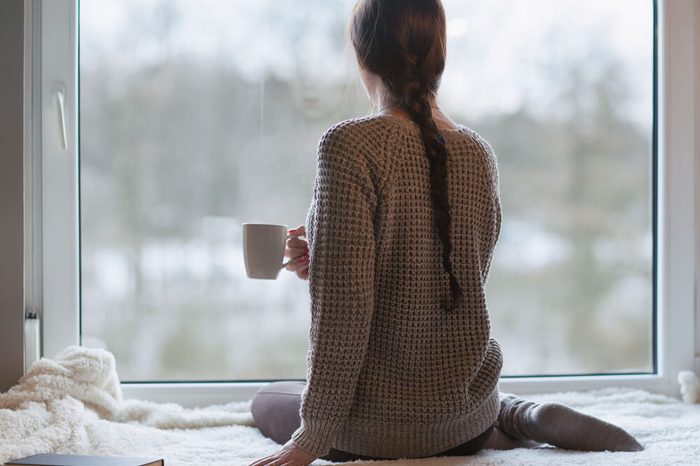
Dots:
(11, 193)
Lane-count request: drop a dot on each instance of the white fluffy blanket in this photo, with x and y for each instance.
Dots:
(73, 404)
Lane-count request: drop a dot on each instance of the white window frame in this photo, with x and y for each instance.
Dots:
(678, 313)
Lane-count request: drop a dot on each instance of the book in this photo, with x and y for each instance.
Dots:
(75, 460)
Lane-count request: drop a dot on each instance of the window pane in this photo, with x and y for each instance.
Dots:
(198, 116)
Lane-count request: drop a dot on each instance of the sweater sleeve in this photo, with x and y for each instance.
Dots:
(491, 227)
(341, 277)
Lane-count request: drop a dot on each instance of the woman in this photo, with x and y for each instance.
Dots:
(401, 230)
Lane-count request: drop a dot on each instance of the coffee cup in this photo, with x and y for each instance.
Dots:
(263, 249)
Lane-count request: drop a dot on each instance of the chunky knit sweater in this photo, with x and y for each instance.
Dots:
(389, 372)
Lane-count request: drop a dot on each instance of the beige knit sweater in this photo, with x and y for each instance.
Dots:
(389, 373)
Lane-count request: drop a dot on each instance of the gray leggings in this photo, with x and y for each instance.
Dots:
(275, 409)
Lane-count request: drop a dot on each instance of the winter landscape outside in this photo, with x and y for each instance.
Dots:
(198, 116)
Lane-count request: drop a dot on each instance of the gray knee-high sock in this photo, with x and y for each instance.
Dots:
(500, 441)
(561, 426)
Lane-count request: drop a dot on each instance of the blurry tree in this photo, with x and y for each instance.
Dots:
(583, 176)
(178, 140)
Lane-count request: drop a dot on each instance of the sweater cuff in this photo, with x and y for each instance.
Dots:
(316, 437)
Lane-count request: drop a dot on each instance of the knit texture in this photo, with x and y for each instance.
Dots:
(390, 373)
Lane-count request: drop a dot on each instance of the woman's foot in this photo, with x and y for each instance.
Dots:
(561, 426)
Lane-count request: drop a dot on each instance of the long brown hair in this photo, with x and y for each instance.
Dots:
(403, 42)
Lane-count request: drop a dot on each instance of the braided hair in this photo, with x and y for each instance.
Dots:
(403, 42)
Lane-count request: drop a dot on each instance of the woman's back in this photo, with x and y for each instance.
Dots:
(417, 379)
(401, 231)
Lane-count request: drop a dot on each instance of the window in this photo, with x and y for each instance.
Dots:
(198, 117)
(190, 118)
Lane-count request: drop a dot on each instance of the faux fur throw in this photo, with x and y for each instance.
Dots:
(73, 404)
(59, 402)
(690, 386)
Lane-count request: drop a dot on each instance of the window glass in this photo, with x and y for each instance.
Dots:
(198, 116)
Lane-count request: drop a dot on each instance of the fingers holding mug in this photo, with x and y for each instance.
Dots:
(298, 231)
(295, 246)
(297, 250)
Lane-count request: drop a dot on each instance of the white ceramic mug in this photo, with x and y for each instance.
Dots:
(263, 249)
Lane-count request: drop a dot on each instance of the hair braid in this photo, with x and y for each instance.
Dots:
(403, 41)
(416, 94)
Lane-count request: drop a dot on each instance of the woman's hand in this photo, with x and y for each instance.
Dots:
(289, 455)
(298, 249)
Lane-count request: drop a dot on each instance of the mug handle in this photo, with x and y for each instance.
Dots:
(284, 264)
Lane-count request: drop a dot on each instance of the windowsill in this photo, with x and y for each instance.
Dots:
(203, 394)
